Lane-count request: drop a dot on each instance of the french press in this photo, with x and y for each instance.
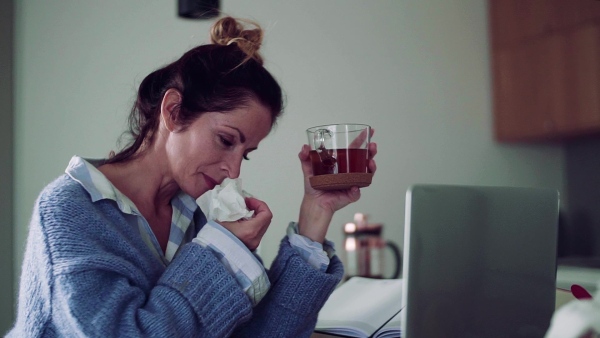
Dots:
(364, 250)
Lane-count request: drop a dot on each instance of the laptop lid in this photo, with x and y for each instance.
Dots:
(479, 261)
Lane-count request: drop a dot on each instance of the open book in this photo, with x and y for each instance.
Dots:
(363, 307)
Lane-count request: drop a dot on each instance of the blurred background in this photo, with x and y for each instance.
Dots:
(419, 72)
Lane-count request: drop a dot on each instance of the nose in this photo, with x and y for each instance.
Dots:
(232, 164)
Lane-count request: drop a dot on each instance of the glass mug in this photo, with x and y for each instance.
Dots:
(339, 155)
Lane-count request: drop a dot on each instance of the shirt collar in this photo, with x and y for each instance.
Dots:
(85, 171)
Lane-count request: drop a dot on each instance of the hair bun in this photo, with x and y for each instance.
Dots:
(229, 30)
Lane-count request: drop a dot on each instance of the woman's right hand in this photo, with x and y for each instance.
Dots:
(250, 231)
(318, 206)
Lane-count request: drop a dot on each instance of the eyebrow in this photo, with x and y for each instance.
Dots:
(242, 136)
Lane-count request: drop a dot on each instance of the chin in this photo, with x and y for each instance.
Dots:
(196, 192)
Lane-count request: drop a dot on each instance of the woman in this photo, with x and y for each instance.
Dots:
(119, 248)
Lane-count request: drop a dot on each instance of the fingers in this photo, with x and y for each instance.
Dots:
(372, 149)
(256, 227)
(371, 165)
(361, 138)
(250, 231)
(304, 156)
(261, 209)
(354, 194)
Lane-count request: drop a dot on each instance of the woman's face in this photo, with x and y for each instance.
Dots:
(213, 146)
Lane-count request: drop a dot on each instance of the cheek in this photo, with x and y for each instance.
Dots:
(194, 159)
(180, 162)
(189, 153)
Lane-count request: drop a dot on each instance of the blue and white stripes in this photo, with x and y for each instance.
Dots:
(183, 215)
(241, 263)
(314, 253)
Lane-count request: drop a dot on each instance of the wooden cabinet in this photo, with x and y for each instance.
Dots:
(545, 68)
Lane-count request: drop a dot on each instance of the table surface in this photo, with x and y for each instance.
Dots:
(585, 276)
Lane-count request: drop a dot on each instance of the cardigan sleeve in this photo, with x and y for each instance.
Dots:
(194, 297)
(298, 292)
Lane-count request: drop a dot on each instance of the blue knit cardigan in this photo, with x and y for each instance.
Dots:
(88, 273)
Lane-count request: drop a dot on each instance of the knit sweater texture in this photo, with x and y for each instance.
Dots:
(88, 273)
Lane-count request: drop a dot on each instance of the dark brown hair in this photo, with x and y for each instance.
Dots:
(217, 77)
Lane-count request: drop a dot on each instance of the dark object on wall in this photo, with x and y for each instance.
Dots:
(583, 189)
(198, 9)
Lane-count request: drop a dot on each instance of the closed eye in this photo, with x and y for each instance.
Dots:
(225, 142)
(228, 144)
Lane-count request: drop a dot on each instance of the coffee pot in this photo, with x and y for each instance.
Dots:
(364, 250)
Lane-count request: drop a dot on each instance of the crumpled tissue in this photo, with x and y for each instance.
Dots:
(577, 318)
(225, 202)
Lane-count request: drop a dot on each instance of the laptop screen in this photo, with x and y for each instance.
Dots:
(479, 261)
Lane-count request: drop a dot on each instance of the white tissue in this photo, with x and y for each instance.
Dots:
(576, 319)
(225, 202)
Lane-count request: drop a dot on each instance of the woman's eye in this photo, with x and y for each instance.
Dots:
(225, 141)
(228, 144)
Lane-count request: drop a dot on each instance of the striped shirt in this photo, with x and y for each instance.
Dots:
(237, 258)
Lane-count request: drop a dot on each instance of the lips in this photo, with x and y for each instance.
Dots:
(209, 182)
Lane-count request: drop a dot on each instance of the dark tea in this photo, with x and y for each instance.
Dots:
(338, 161)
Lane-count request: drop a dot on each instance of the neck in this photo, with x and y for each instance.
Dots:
(149, 186)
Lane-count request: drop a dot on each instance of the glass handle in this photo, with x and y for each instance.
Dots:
(319, 138)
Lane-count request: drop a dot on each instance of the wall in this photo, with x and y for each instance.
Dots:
(6, 165)
(417, 71)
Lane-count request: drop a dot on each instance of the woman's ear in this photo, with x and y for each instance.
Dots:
(169, 109)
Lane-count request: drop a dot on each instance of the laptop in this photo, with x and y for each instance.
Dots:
(479, 261)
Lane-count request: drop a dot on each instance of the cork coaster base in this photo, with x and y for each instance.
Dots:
(341, 181)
